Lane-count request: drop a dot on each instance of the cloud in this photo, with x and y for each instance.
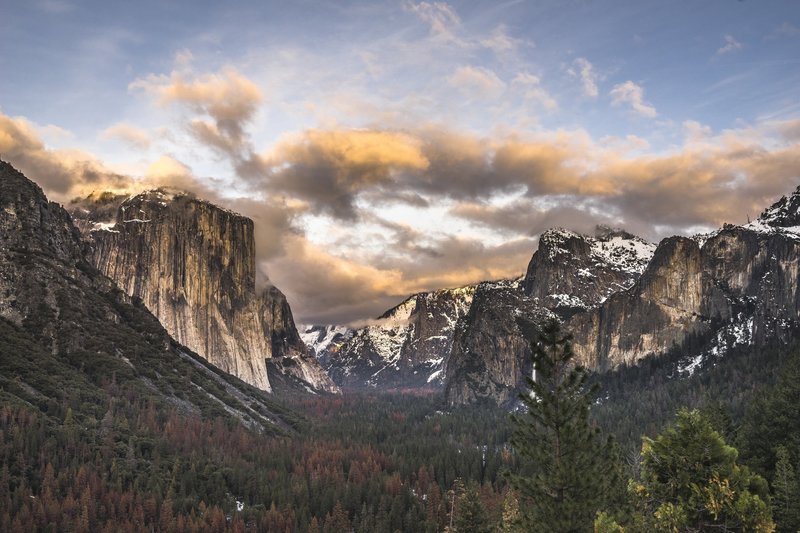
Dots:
(532, 90)
(632, 94)
(131, 135)
(585, 72)
(62, 173)
(227, 100)
(323, 288)
(476, 204)
(500, 41)
(731, 45)
(477, 82)
(326, 288)
(784, 30)
(525, 216)
(441, 17)
(330, 168)
(790, 130)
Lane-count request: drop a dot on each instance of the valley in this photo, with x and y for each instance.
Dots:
(216, 412)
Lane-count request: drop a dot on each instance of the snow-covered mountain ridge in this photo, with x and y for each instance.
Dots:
(414, 343)
(406, 346)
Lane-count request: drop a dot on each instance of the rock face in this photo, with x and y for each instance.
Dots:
(33, 229)
(570, 273)
(67, 331)
(192, 264)
(467, 340)
(407, 346)
(489, 356)
(736, 286)
(700, 296)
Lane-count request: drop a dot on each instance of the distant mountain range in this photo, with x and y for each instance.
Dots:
(621, 297)
(192, 265)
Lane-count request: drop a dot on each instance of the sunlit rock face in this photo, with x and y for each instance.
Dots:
(736, 286)
(192, 264)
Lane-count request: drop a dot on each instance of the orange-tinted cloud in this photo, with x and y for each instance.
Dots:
(330, 168)
(227, 98)
(62, 173)
(509, 188)
(135, 137)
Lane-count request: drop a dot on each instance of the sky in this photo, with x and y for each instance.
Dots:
(387, 148)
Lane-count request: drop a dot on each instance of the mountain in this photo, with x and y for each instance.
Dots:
(568, 274)
(72, 342)
(192, 264)
(407, 346)
(624, 301)
(572, 272)
(736, 286)
(466, 339)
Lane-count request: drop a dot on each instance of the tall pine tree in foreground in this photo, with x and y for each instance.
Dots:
(573, 475)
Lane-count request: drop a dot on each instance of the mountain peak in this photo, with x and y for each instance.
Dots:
(784, 213)
(568, 264)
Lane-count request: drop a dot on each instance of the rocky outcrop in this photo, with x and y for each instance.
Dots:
(192, 264)
(697, 297)
(489, 356)
(466, 340)
(737, 286)
(38, 241)
(70, 335)
(407, 346)
(569, 273)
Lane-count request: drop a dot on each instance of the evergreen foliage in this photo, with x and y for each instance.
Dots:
(786, 498)
(773, 420)
(572, 472)
(691, 481)
(471, 516)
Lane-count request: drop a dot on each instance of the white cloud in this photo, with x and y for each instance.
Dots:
(695, 131)
(532, 89)
(632, 94)
(585, 71)
(784, 30)
(500, 41)
(441, 17)
(731, 45)
(477, 82)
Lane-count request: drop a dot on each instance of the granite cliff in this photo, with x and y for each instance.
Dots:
(69, 338)
(624, 300)
(569, 273)
(192, 264)
(466, 340)
(738, 285)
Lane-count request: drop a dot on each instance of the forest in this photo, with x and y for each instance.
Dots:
(375, 462)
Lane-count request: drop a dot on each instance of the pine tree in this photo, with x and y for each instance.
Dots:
(786, 499)
(510, 521)
(690, 481)
(572, 470)
(471, 516)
